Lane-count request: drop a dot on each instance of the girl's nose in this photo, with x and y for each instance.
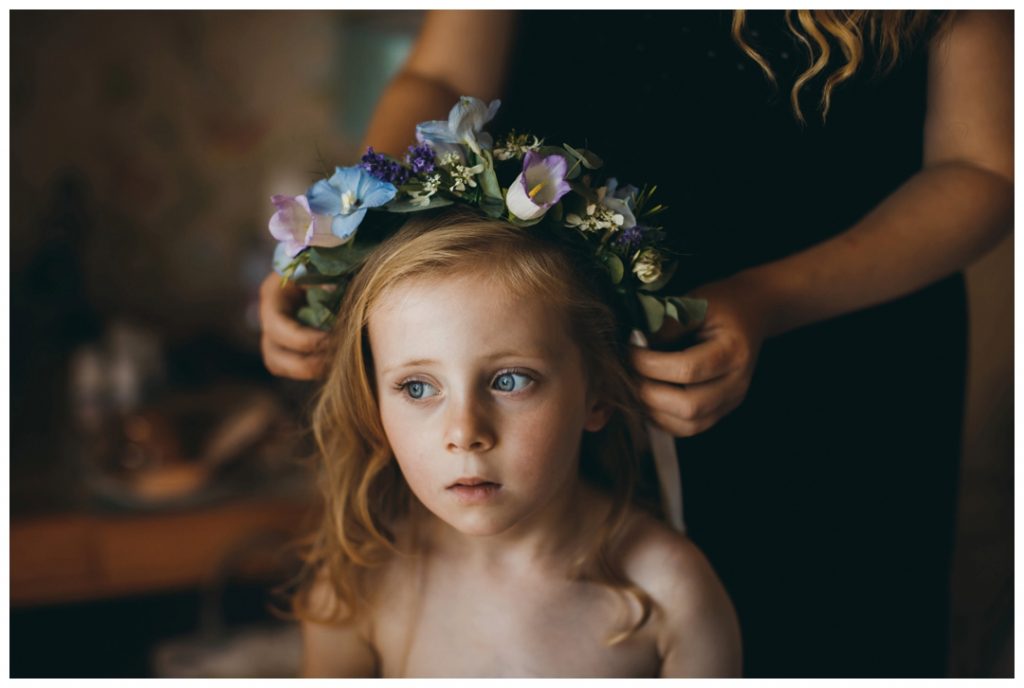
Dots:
(468, 427)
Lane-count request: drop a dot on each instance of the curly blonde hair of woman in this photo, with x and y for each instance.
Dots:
(888, 32)
(362, 489)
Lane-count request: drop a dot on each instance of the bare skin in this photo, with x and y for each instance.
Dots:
(478, 384)
(943, 218)
(458, 612)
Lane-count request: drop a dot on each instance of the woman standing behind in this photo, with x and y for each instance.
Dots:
(829, 209)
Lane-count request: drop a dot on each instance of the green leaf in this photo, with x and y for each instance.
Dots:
(339, 259)
(615, 267)
(493, 207)
(654, 311)
(313, 278)
(524, 223)
(488, 178)
(317, 296)
(316, 315)
(590, 160)
(327, 262)
(690, 311)
(671, 310)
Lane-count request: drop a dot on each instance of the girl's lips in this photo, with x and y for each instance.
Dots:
(476, 492)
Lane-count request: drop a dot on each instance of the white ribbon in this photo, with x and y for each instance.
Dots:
(666, 462)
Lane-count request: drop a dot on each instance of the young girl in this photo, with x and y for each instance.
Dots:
(475, 433)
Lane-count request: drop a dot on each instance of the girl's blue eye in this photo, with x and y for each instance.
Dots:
(511, 382)
(419, 390)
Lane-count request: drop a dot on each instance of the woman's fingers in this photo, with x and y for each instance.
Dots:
(286, 333)
(289, 348)
(290, 364)
(703, 362)
(702, 404)
(678, 427)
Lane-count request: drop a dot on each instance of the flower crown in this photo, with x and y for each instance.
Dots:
(520, 180)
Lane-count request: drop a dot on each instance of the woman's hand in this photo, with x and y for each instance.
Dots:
(688, 391)
(289, 348)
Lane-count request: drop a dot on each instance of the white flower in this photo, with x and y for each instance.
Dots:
(463, 176)
(430, 187)
(647, 265)
(597, 218)
(517, 146)
(538, 187)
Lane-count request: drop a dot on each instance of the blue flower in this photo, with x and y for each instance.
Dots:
(618, 200)
(464, 126)
(346, 196)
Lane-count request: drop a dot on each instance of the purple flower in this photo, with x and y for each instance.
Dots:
(421, 159)
(538, 187)
(631, 238)
(297, 228)
(378, 165)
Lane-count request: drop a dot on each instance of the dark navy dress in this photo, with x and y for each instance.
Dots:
(826, 500)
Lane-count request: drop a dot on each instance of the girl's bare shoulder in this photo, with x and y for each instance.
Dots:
(694, 621)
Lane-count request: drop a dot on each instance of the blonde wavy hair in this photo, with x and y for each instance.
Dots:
(363, 491)
(889, 32)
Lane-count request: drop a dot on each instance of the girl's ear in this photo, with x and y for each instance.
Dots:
(597, 415)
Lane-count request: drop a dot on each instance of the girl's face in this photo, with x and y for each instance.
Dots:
(483, 398)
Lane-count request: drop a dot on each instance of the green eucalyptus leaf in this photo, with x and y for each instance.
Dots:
(589, 160)
(690, 311)
(489, 180)
(313, 278)
(317, 296)
(493, 207)
(338, 260)
(615, 267)
(524, 223)
(316, 315)
(328, 261)
(654, 311)
(671, 310)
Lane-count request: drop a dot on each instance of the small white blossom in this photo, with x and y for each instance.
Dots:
(430, 187)
(647, 265)
(463, 176)
(596, 219)
(516, 146)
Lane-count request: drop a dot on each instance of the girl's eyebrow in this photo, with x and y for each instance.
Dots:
(539, 354)
(409, 364)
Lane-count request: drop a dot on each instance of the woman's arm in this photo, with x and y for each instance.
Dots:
(456, 53)
(950, 213)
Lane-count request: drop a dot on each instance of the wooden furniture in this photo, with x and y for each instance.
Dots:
(82, 556)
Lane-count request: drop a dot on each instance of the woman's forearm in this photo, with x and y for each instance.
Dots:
(409, 99)
(938, 222)
(457, 53)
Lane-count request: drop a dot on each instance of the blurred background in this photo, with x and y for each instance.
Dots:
(156, 467)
